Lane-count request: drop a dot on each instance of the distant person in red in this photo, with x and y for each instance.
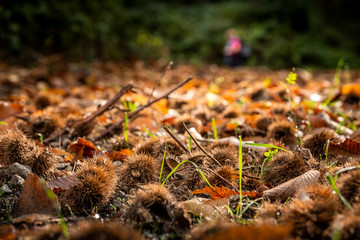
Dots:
(232, 49)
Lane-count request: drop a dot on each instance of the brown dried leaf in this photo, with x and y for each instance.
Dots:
(9, 109)
(63, 183)
(207, 208)
(83, 148)
(289, 188)
(223, 192)
(34, 199)
(171, 163)
(7, 232)
(349, 146)
(259, 232)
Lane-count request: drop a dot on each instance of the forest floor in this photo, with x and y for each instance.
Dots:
(156, 151)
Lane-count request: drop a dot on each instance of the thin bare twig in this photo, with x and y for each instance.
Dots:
(202, 149)
(177, 140)
(64, 132)
(168, 66)
(139, 109)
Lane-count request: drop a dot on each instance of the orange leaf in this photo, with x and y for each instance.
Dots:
(120, 155)
(102, 118)
(222, 192)
(348, 146)
(351, 88)
(230, 126)
(170, 120)
(161, 106)
(83, 148)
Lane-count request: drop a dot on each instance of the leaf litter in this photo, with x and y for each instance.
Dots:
(98, 146)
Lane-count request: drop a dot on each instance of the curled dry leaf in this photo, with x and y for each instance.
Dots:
(83, 148)
(62, 183)
(34, 199)
(211, 209)
(348, 147)
(289, 188)
(223, 192)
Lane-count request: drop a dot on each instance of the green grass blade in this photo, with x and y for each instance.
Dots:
(250, 204)
(162, 164)
(266, 145)
(148, 132)
(239, 209)
(332, 181)
(181, 163)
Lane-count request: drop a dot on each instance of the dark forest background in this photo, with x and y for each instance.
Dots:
(281, 33)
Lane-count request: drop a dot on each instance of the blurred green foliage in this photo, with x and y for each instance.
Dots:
(280, 33)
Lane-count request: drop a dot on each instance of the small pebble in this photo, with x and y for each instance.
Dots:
(16, 181)
(19, 169)
(5, 189)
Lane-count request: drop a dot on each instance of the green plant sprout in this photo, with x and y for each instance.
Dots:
(268, 155)
(299, 140)
(130, 105)
(126, 130)
(326, 151)
(250, 204)
(337, 76)
(114, 208)
(41, 137)
(332, 181)
(181, 163)
(214, 129)
(291, 78)
(52, 198)
(239, 208)
(4, 123)
(267, 82)
(162, 163)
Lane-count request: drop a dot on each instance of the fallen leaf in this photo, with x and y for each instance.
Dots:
(9, 109)
(207, 208)
(62, 183)
(349, 146)
(7, 232)
(171, 162)
(223, 192)
(260, 232)
(34, 199)
(82, 148)
(32, 218)
(351, 89)
(289, 188)
(120, 155)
